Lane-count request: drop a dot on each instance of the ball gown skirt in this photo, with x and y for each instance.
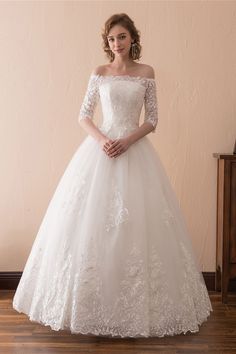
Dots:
(112, 256)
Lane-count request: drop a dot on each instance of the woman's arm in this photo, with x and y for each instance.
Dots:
(118, 146)
(90, 128)
(87, 110)
(140, 132)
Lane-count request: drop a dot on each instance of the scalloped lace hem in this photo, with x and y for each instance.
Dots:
(115, 332)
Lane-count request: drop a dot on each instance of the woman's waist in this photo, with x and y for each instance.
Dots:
(117, 129)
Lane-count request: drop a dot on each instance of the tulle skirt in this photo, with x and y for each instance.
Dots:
(112, 255)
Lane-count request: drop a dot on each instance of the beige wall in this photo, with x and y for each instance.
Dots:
(48, 49)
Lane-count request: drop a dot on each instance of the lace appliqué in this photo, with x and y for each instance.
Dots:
(168, 217)
(117, 212)
(129, 319)
(151, 105)
(55, 297)
(194, 284)
(75, 197)
(48, 303)
(28, 278)
(90, 99)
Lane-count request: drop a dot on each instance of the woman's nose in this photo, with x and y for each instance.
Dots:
(117, 42)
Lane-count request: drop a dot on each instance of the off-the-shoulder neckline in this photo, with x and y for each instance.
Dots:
(127, 76)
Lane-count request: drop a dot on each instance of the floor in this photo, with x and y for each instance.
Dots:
(18, 335)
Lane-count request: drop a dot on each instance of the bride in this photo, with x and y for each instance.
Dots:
(112, 255)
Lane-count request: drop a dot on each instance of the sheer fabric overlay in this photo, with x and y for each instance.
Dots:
(112, 255)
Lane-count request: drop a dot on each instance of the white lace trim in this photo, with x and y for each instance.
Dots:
(124, 77)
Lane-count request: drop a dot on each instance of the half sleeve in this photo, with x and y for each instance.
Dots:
(151, 104)
(90, 100)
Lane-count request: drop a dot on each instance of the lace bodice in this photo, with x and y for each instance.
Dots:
(122, 98)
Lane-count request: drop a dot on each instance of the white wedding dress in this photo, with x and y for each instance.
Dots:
(112, 255)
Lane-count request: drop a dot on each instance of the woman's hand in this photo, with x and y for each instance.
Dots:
(105, 142)
(118, 146)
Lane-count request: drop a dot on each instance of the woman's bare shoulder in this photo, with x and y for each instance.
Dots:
(100, 70)
(148, 71)
(141, 69)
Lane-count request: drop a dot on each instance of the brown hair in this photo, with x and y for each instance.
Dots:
(125, 21)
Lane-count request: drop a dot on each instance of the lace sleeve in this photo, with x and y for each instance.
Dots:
(151, 104)
(90, 99)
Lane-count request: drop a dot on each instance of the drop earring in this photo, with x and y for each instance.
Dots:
(134, 48)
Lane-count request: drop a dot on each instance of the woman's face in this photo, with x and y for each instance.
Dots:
(119, 40)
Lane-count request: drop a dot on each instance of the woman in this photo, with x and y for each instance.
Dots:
(112, 256)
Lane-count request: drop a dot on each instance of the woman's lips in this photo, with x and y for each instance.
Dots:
(119, 50)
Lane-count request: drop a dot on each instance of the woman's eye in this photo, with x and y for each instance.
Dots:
(111, 39)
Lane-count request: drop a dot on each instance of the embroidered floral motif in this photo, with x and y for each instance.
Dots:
(168, 217)
(90, 99)
(73, 202)
(194, 284)
(151, 104)
(117, 212)
(55, 298)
